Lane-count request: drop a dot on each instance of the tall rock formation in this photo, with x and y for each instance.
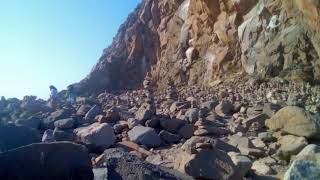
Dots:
(201, 41)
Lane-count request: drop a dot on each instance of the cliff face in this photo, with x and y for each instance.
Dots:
(205, 41)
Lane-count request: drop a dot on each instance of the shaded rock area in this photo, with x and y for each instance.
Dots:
(46, 162)
(189, 89)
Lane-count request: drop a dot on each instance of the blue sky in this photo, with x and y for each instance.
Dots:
(57, 42)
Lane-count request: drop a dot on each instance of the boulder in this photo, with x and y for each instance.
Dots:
(132, 122)
(123, 165)
(145, 136)
(192, 115)
(44, 161)
(261, 168)
(310, 152)
(295, 121)
(303, 169)
(12, 136)
(92, 113)
(64, 124)
(187, 131)
(224, 108)
(243, 163)
(145, 112)
(48, 123)
(169, 137)
(201, 158)
(291, 145)
(171, 124)
(97, 135)
(83, 109)
(112, 115)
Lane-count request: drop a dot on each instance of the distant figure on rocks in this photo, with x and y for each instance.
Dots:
(53, 100)
(71, 96)
(53, 92)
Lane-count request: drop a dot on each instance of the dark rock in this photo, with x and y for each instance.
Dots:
(187, 131)
(192, 115)
(12, 136)
(93, 112)
(46, 162)
(48, 123)
(171, 124)
(144, 136)
(169, 137)
(64, 124)
(122, 165)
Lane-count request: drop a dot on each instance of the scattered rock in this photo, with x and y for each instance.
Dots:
(169, 137)
(98, 135)
(64, 124)
(291, 145)
(144, 136)
(224, 108)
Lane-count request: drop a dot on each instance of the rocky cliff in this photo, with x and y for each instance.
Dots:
(205, 42)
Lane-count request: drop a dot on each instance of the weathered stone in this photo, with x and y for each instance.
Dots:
(206, 164)
(291, 145)
(169, 137)
(192, 115)
(303, 169)
(82, 111)
(261, 168)
(224, 108)
(92, 113)
(132, 122)
(122, 165)
(296, 121)
(187, 131)
(145, 136)
(48, 123)
(97, 135)
(64, 124)
(145, 112)
(171, 124)
(243, 164)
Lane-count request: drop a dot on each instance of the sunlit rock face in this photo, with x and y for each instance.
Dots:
(202, 41)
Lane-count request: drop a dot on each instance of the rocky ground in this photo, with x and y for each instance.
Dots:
(203, 89)
(245, 129)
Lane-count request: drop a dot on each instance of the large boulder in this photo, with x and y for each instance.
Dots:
(122, 165)
(203, 158)
(303, 169)
(145, 136)
(46, 162)
(306, 164)
(96, 135)
(12, 136)
(296, 121)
